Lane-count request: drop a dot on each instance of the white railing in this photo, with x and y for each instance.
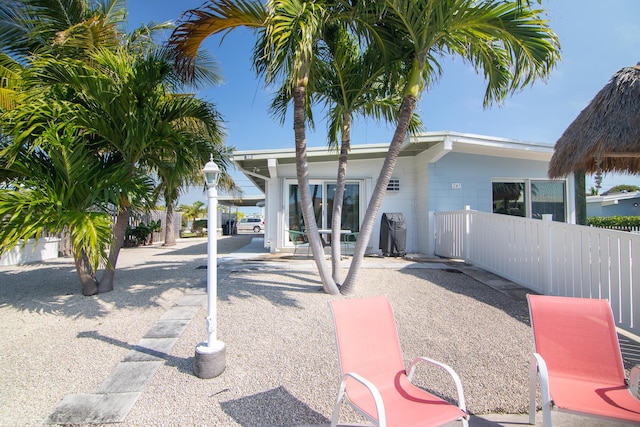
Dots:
(551, 258)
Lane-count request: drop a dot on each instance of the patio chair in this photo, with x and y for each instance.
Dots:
(298, 238)
(349, 241)
(578, 361)
(374, 380)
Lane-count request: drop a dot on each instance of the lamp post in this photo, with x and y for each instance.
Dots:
(209, 361)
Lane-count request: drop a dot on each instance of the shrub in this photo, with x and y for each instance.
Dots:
(626, 223)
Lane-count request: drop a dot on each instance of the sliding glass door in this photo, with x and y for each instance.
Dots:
(322, 197)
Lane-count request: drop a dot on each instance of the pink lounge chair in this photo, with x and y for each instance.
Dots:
(577, 358)
(374, 380)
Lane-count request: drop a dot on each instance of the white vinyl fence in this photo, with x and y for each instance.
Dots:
(551, 258)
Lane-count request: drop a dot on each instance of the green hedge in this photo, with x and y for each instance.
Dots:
(619, 222)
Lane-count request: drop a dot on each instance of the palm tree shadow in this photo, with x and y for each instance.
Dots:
(446, 279)
(275, 407)
(54, 288)
(182, 364)
(517, 309)
(250, 280)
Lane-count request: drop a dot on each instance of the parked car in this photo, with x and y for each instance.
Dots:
(251, 224)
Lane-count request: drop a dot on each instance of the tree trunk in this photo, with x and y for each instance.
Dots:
(581, 197)
(86, 274)
(65, 249)
(338, 198)
(302, 171)
(407, 109)
(169, 232)
(119, 231)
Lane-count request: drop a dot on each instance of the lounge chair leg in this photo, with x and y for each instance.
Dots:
(533, 380)
(338, 406)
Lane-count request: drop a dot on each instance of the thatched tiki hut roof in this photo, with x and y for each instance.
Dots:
(606, 134)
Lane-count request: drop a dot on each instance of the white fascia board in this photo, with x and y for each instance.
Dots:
(502, 147)
(289, 153)
(481, 145)
(451, 141)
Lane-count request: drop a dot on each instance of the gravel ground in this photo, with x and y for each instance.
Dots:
(281, 356)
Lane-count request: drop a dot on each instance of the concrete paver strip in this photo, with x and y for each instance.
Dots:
(171, 328)
(181, 312)
(93, 408)
(193, 299)
(150, 349)
(129, 377)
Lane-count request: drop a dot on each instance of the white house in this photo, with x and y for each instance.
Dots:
(436, 171)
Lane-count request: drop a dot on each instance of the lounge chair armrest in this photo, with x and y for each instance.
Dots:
(456, 379)
(538, 368)
(634, 380)
(375, 393)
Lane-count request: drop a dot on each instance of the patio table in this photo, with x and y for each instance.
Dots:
(327, 231)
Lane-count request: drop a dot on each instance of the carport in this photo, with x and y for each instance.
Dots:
(232, 202)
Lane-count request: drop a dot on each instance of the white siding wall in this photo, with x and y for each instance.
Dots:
(474, 174)
(403, 201)
(367, 171)
(424, 188)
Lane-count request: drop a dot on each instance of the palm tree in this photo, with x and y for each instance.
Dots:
(58, 184)
(507, 41)
(180, 170)
(124, 102)
(349, 83)
(9, 92)
(288, 33)
(67, 28)
(194, 211)
(119, 88)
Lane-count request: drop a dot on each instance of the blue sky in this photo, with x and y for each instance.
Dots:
(597, 38)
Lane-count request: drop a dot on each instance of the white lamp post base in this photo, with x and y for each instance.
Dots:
(210, 361)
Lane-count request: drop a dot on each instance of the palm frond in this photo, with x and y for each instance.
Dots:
(218, 16)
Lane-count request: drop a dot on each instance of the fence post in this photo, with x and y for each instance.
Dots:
(547, 255)
(466, 252)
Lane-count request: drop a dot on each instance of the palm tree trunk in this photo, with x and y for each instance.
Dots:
(341, 182)
(169, 233)
(119, 231)
(407, 109)
(86, 274)
(302, 171)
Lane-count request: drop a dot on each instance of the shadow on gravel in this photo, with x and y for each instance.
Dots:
(53, 287)
(182, 364)
(57, 290)
(455, 281)
(249, 281)
(275, 407)
(226, 245)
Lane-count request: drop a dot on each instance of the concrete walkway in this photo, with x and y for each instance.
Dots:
(119, 392)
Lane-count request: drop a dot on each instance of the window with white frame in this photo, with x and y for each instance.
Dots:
(530, 198)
